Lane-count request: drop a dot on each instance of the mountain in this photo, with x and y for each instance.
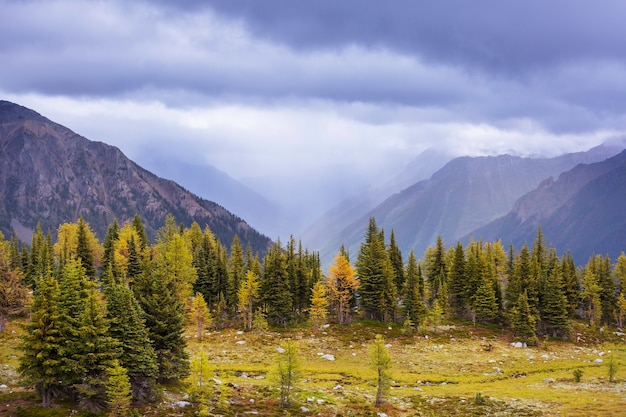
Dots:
(360, 203)
(51, 175)
(582, 212)
(467, 193)
(213, 184)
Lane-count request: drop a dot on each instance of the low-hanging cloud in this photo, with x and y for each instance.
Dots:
(324, 89)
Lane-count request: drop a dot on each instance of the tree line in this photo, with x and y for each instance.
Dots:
(119, 308)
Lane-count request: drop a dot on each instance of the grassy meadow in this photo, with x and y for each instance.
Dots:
(454, 370)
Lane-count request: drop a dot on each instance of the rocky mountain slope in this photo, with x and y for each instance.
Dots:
(464, 195)
(51, 175)
(581, 212)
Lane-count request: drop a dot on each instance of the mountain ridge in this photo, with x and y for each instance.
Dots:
(52, 175)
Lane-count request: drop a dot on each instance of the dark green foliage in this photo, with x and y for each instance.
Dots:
(165, 320)
(554, 316)
(95, 354)
(523, 322)
(457, 282)
(41, 360)
(84, 252)
(414, 307)
(275, 287)
(127, 326)
(395, 256)
(436, 269)
(378, 291)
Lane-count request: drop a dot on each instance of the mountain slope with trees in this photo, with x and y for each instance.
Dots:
(581, 212)
(51, 175)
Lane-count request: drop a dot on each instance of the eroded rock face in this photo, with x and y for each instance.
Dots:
(52, 175)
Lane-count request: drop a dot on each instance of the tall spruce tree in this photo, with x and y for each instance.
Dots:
(158, 295)
(377, 292)
(523, 321)
(414, 307)
(96, 353)
(275, 286)
(554, 317)
(42, 344)
(128, 327)
(457, 282)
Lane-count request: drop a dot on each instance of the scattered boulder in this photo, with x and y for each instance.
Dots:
(182, 404)
(328, 357)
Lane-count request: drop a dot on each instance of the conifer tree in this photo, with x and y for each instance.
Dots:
(287, 370)
(342, 284)
(165, 319)
(247, 296)
(275, 288)
(592, 303)
(554, 317)
(108, 254)
(523, 322)
(457, 281)
(96, 353)
(484, 303)
(571, 284)
(74, 288)
(414, 307)
(619, 272)
(84, 251)
(436, 271)
(127, 326)
(319, 304)
(375, 272)
(41, 360)
(200, 315)
(237, 271)
(380, 361)
(118, 389)
(395, 256)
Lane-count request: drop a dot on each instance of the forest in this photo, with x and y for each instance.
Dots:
(105, 321)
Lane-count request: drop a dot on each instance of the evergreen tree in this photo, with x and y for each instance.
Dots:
(554, 317)
(619, 272)
(484, 303)
(74, 289)
(41, 360)
(84, 251)
(237, 271)
(395, 256)
(128, 327)
(275, 288)
(523, 322)
(375, 272)
(108, 255)
(96, 353)
(118, 389)
(165, 319)
(436, 271)
(571, 284)
(457, 282)
(591, 290)
(414, 307)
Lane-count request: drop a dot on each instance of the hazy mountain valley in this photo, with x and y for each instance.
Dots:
(497, 286)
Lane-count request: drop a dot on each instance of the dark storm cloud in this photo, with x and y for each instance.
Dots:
(499, 35)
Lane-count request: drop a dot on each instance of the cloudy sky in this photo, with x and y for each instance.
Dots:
(320, 91)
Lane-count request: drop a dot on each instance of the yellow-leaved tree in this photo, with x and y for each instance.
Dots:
(342, 283)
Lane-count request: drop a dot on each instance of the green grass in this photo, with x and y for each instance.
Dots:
(434, 374)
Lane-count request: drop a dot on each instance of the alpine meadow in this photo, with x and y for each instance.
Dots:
(235, 208)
